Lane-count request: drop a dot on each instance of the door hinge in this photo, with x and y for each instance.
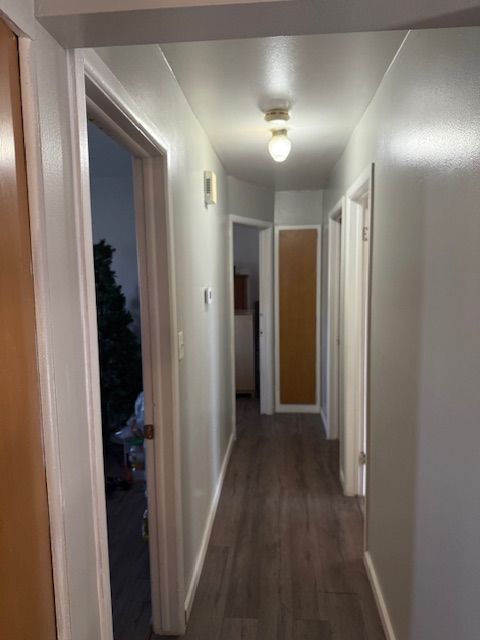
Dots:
(148, 431)
(365, 234)
(362, 458)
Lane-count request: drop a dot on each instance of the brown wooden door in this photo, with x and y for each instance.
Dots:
(297, 279)
(26, 585)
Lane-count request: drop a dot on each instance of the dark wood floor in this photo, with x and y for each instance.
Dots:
(285, 556)
(129, 564)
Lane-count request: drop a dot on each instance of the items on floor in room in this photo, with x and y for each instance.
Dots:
(127, 519)
(131, 437)
(127, 444)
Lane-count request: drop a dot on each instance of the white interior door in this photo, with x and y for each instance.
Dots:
(341, 350)
(355, 330)
(364, 265)
(334, 325)
(266, 321)
(161, 396)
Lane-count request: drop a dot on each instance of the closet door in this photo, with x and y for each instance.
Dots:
(298, 281)
(26, 585)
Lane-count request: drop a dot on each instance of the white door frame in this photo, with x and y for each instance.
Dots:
(357, 228)
(116, 112)
(265, 248)
(298, 408)
(333, 319)
(92, 527)
(50, 419)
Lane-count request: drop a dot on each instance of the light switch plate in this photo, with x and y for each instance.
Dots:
(181, 346)
(208, 295)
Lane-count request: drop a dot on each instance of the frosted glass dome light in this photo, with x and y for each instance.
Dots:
(279, 146)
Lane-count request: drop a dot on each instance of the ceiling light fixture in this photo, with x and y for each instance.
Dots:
(279, 146)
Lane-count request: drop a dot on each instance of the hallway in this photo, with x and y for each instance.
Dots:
(285, 556)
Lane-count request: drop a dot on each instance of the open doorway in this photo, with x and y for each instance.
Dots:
(246, 287)
(156, 324)
(251, 266)
(121, 383)
(349, 294)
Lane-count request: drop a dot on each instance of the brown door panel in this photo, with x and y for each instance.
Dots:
(297, 257)
(26, 585)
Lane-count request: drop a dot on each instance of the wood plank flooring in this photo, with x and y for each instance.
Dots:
(285, 557)
(129, 564)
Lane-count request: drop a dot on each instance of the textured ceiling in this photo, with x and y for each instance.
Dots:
(327, 80)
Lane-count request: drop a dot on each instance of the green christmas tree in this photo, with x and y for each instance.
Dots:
(119, 348)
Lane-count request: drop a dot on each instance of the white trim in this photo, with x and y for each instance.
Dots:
(297, 408)
(140, 128)
(265, 249)
(266, 321)
(362, 184)
(83, 238)
(46, 366)
(231, 320)
(342, 478)
(250, 222)
(379, 597)
(200, 559)
(323, 415)
(155, 225)
(355, 327)
(333, 317)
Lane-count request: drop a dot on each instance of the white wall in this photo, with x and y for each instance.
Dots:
(249, 200)
(298, 207)
(422, 131)
(246, 258)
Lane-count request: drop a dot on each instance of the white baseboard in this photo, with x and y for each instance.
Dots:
(197, 570)
(297, 408)
(325, 422)
(342, 479)
(379, 599)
